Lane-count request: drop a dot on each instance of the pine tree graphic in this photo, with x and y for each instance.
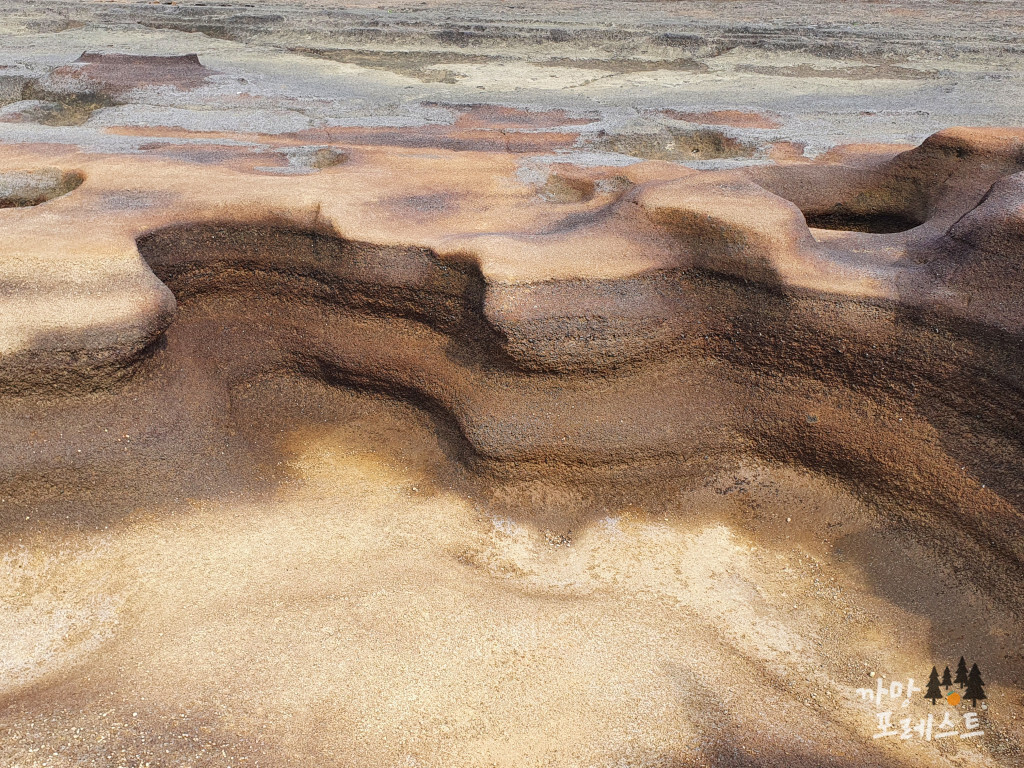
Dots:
(974, 686)
(947, 680)
(933, 692)
(961, 673)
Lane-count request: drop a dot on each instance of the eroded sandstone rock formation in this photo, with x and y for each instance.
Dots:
(629, 330)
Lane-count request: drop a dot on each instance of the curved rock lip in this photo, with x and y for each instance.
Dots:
(19, 189)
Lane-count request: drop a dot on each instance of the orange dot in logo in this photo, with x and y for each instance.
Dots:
(953, 698)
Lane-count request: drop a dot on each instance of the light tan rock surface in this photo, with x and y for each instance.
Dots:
(341, 428)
